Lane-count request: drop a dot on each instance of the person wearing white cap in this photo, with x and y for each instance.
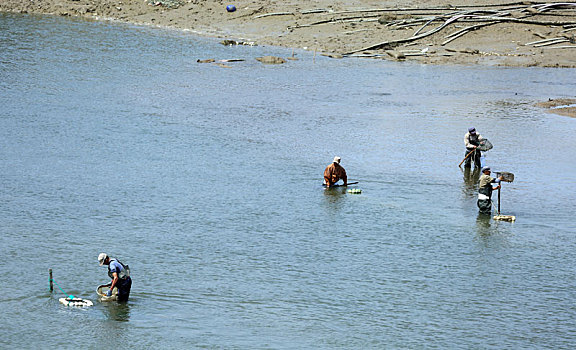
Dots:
(485, 190)
(334, 172)
(472, 141)
(120, 275)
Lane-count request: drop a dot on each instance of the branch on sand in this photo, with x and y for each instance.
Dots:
(472, 16)
(275, 14)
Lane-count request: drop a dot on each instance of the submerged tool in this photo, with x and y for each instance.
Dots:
(348, 184)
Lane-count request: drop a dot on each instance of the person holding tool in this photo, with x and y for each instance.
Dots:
(485, 190)
(120, 275)
(472, 141)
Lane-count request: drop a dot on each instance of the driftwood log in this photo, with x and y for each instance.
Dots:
(484, 17)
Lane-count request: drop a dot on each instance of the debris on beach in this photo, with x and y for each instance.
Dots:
(332, 55)
(171, 4)
(271, 60)
(228, 42)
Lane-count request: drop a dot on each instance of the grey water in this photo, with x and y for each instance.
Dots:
(207, 182)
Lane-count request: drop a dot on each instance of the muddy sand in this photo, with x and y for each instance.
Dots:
(439, 32)
(493, 32)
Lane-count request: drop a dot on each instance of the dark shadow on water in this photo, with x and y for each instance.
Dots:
(484, 223)
(117, 311)
(112, 331)
(471, 178)
(334, 197)
(334, 193)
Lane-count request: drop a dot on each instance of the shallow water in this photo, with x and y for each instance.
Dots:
(206, 181)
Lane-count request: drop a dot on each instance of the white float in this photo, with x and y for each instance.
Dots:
(74, 301)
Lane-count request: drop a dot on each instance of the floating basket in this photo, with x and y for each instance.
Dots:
(509, 218)
(77, 302)
(103, 289)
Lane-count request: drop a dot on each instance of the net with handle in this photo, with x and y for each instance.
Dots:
(485, 145)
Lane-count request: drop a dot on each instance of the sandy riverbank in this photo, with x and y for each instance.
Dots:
(338, 28)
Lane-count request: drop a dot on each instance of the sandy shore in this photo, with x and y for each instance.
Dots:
(356, 27)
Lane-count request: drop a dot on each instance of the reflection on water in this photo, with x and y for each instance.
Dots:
(117, 311)
(484, 223)
(471, 178)
(334, 199)
(117, 140)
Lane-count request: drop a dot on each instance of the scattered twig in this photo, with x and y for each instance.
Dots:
(339, 20)
(520, 20)
(415, 37)
(541, 41)
(274, 14)
(470, 28)
(552, 42)
(356, 31)
(546, 7)
(454, 37)
(561, 47)
(446, 8)
(425, 24)
(307, 12)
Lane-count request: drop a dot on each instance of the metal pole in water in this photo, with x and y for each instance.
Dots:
(51, 281)
(499, 199)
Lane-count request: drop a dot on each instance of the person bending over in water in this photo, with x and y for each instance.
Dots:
(120, 275)
(334, 172)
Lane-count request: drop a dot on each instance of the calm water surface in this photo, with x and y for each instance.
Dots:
(206, 181)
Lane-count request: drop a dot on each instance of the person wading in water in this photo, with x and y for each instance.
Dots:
(472, 141)
(485, 190)
(120, 275)
(334, 172)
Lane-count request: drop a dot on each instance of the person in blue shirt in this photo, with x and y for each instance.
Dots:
(120, 275)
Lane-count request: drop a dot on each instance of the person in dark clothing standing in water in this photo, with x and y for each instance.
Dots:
(120, 275)
(472, 141)
(485, 190)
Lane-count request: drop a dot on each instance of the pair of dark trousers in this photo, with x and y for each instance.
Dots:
(124, 289)
(485, 206)
(475, 156)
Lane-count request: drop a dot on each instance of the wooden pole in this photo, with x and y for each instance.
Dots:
(51, 281)
(468, 155)
(499, 185)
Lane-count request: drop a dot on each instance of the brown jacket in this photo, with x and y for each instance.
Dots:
(333, 173)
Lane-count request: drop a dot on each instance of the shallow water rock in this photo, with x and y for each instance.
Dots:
(271, 60)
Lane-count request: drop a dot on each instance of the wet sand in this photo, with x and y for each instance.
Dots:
(340, 28)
